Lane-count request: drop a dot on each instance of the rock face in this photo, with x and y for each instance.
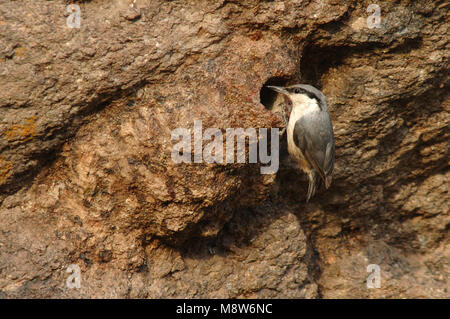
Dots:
(87, 177)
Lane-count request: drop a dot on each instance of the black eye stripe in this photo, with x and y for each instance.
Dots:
(302, 91)
(311, 95)
(296, 90)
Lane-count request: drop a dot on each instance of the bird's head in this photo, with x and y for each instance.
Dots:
(301, 93)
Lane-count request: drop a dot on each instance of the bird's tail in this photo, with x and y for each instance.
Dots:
(312, 177)
(327, 181)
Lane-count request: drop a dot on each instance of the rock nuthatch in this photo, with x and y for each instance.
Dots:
(310, 133)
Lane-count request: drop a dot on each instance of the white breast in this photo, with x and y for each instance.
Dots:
(301, 105)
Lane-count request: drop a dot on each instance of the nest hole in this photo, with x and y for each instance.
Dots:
(267, 96)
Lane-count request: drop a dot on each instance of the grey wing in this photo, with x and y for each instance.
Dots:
(313, 134)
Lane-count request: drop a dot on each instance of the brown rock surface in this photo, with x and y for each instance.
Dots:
(86, 175)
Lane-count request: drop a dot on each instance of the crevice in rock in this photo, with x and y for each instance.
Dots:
(316, 61)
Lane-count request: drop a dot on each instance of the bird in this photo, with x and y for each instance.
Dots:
(310, 135)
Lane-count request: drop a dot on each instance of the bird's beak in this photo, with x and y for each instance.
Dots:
(278, 89)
